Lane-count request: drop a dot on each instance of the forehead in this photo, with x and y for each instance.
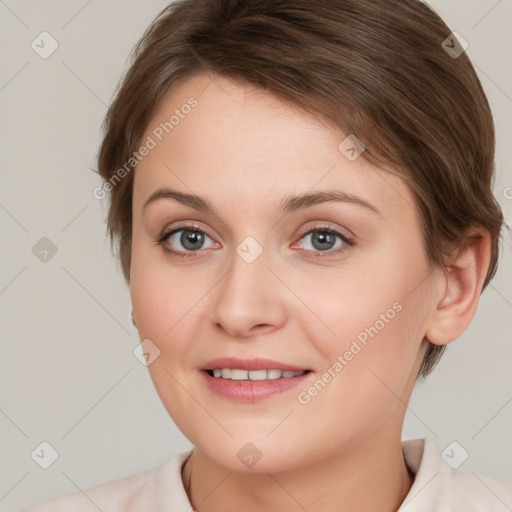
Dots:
(231, 141)
(237, 123)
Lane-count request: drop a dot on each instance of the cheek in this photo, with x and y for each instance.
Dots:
(161, 294)
(153, 296)
(170, 303)
(162, 300)
(369, 365)
(374, 318)
(164, 310)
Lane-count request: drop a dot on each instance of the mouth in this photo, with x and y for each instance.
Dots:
(250, 380)
(254, 375)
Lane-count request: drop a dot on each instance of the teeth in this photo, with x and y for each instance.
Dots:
(236, 374)
(287, 374)
(254, 375)
(274, 374)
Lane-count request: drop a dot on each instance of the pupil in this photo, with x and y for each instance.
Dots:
(323, 238)
(189, 238)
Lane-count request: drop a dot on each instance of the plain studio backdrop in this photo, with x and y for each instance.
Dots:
(69, 376)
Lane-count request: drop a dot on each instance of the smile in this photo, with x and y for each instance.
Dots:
(237, 374)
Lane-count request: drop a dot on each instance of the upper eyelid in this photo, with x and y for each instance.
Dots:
(325, 225)
(191, 225)
(318, 225)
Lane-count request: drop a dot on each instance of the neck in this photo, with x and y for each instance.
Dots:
(369, 477)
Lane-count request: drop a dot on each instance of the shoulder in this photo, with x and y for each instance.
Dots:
(480, 492)
(128, 494)
(440, 486)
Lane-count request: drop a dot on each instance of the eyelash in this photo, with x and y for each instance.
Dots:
(190, 227)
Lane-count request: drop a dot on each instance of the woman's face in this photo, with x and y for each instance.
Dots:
(340, 288)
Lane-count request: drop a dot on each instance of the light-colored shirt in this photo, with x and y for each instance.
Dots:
(437, 487)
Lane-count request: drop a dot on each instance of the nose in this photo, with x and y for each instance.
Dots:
(249, 299)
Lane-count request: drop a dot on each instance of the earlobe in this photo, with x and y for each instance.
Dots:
(463, 282)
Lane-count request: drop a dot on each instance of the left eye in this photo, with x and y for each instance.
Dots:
(322, 239)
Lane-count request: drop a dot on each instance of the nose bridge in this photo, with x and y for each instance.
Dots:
(247, 296)
(248, 263)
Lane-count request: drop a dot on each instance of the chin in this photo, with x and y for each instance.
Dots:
(258, 456)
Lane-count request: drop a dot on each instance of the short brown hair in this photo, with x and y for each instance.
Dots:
(374, 68)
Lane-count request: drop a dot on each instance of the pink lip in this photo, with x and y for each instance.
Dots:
(251, 390)
(249, 364)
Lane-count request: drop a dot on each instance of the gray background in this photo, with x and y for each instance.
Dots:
(68, 373)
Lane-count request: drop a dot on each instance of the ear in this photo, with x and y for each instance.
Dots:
(460, 289)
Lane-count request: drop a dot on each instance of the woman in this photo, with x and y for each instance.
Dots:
(300, 193)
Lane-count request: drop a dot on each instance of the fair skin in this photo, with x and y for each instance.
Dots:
(245, 151)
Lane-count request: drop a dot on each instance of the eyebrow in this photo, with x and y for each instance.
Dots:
(287, 205)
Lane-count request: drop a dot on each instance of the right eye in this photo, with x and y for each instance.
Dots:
(190, 237)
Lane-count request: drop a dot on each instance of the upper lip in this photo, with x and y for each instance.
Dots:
(249, 364)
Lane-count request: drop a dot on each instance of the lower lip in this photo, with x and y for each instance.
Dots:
(252, 390)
